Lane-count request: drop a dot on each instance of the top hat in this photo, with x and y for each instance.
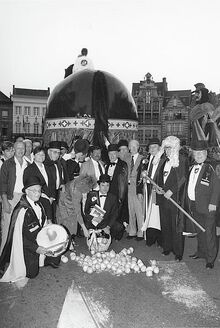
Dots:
(199, 145)
(104, 178)
(31, 181)
(63, 144)
(113, 147)
(122, 142)
(55, 144)
(154, 141)
(81, 146)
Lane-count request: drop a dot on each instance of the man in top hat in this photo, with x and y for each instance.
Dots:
(21, 250)
(108, 204)
(63, 148)
(123, 151)
(81, 147)
(201, 199)
(58, 172)
(118, 172)
(151, 167)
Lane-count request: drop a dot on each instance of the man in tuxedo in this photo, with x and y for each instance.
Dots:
(94, 166)
(118, 172)
(171, 178)
(107, 202)
(21, 251)
(81, 147)
(151, 166)
(202, 198)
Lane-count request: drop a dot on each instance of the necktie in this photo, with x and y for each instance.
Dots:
(151, 167)
(103, 195)
(100, 168)
(112, 164)
(132, 163)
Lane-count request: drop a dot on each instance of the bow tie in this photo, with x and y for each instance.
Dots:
(113, 164)
(103, 196)
(196, 164)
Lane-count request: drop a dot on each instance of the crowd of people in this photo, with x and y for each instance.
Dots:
(116, 190)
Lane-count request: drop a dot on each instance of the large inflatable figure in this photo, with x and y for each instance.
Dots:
(92, 104)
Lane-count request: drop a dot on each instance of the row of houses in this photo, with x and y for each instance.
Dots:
(161, 112)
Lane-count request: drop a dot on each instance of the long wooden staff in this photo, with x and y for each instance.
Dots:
(174, 202)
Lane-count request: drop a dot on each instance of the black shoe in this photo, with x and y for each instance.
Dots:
(166, 253)
(139, 238)
(209, 266)
(178, 258)
(195, 257)
(130, 237)
(52, 264)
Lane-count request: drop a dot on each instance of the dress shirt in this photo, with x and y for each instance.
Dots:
(58, 177)
(166, 171)
(36, 209)
(111, 168)
(135, 157)
(193, 177)
(96, 167)
(19, 175)
(43, 172)
(102, 200)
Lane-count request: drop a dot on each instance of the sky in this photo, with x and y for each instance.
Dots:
(176, 39)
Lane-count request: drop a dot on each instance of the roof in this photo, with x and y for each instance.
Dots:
(183, 95)
(135, 87)
(4, 98)
(31, 92)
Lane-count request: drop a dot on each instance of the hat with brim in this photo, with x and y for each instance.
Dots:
(104, 178)
(55, 145)
(113, 147)
(31, 181)
(81, 146)
(122, 143)
(51, 235)
(199, 145)
(63, 144)
(154, 141)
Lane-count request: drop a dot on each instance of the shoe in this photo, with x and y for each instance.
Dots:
(130, 237)
(139, 238)
(195, 257)
(209, 266)
(52, 264)
(178, 258)
(166, 253)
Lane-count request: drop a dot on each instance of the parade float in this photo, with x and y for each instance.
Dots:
(91, 104)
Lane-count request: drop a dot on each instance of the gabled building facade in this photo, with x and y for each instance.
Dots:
(6, 117)
(29, 109)
(175, 115)
(149, 97)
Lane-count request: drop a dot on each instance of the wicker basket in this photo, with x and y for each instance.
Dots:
(98, 240)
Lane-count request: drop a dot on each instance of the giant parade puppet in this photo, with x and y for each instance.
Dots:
(91, 104)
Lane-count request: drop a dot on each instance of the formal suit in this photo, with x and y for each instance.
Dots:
(110, 206)
(119, 187)
(207, 191)
(136, 219)
(73, 169)
(172, 239)
(87, 168)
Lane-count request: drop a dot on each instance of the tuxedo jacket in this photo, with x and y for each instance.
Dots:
(33, 170)
(73, 169)
(119, 182)
(207, 189)
(110, 206)
(61, 165)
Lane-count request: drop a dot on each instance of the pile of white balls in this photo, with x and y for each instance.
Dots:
(117, 264)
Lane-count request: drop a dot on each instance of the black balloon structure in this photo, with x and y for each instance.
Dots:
(92, 104)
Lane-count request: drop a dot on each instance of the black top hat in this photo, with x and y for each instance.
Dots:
(122, 142)
(63, 144)
(113, 147)
(55, 144)
(154, 141)
(81, 146)
(31, 181)
(104, 178)
(199, 145)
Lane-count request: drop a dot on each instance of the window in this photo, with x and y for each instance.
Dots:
(18, 127)
(178, 116)
(140, 118)
(43, 111)
(156, 106)
(27, 127)
(140, 136)
(18, 110)
(170, 115)
(148, 133)
(36, 128)
(36, 111)
(155, 116)
(4, 131)
(4, 113)
(155, 133)
(168, 128)
(27, 110)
